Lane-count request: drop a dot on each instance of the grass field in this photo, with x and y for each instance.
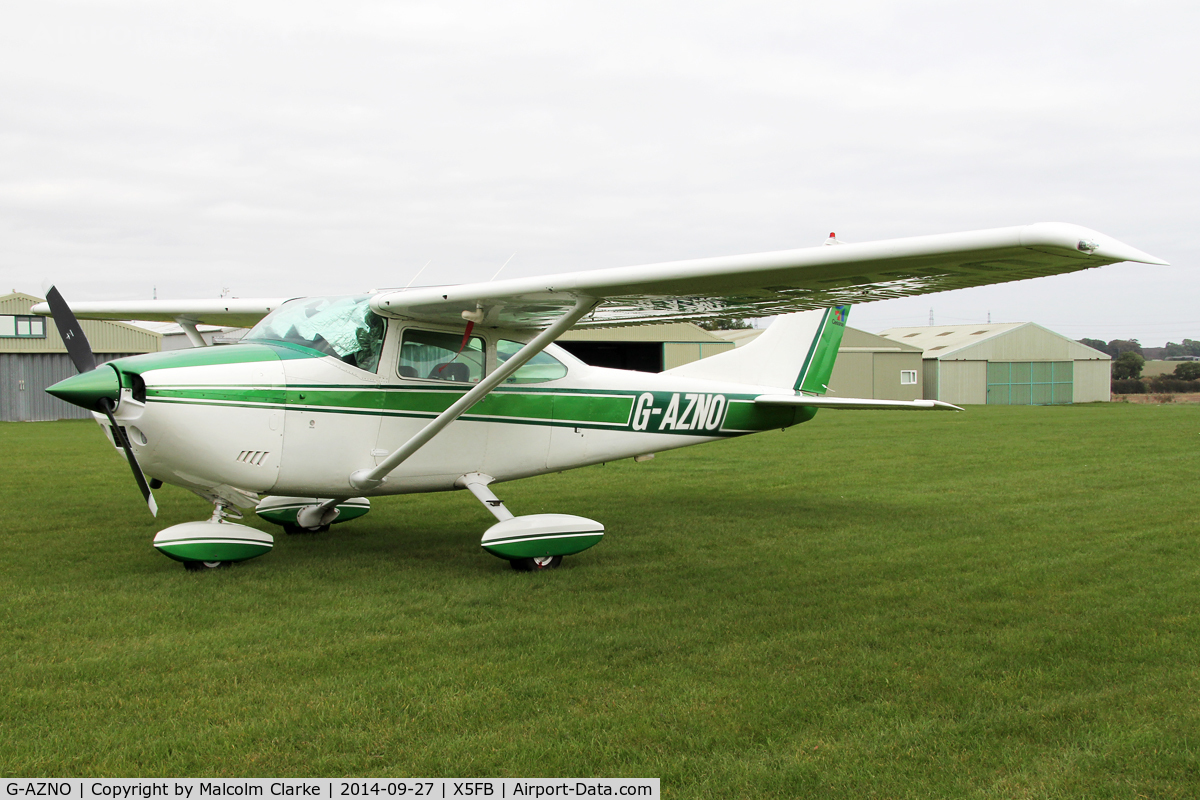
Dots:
(999, 603)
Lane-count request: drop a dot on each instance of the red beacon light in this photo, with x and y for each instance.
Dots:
(832, 238)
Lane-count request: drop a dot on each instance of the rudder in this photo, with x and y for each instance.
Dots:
(818, 367)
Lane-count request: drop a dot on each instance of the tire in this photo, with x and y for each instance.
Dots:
(293, 530)
(204, 566)
(536, 564)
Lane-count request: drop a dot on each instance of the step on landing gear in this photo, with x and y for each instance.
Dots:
(535, 542)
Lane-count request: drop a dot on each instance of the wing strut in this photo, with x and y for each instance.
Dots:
(367, 479)
(189, 329)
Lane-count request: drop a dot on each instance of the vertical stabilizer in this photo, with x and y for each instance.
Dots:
(797, 351)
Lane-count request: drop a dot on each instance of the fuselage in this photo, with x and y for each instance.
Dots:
(280, 418)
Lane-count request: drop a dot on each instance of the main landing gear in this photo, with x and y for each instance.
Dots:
(310, 514)
(535, 542)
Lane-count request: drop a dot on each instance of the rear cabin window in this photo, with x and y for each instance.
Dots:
(539, 369)
(437, 356)
(343, 327)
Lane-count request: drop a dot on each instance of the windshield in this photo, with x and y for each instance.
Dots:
(344, 327)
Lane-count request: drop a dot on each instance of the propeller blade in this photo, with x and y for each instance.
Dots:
(85, 361)
(72, 335)
(122, 439)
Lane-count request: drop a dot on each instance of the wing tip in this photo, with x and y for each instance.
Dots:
(1086, 241)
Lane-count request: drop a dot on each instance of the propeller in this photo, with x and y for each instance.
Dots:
(92, 394)
(72, 334)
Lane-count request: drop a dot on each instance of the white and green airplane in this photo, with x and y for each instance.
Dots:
(329, 401)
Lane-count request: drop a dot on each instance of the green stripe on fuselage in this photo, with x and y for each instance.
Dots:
(610, 410)
(599, 409)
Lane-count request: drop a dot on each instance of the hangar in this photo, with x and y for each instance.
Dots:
(648, 348)
(873, 366)
(1014, 363)
(32, 357)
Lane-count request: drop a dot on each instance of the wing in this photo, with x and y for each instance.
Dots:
(756, 285)
(229, 311)
(765, 284)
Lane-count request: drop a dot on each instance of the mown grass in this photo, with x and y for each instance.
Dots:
(999, 603)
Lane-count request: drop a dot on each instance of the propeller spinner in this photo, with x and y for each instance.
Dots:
(93, 389)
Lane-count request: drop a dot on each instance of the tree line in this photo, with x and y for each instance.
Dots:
(1128, 360)
(1116, 346)
(1189, 347)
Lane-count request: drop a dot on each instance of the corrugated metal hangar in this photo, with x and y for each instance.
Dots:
(1015, 363)
(872, 366)
(174, 338)
(32, 357)
(867, 365)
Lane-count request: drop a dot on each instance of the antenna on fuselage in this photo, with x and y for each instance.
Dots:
(414, 277)
(502, 266)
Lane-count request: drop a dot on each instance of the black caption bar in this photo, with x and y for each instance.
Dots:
(332, 788)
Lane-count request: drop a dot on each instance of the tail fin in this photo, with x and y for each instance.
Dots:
(797, 350)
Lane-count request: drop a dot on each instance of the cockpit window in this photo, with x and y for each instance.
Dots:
(539, 369)
(441, 357)
(344, 327)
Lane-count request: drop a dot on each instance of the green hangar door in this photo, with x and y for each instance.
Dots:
(1025, 383)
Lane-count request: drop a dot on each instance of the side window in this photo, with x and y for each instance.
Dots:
(539, 369)
(436, 356)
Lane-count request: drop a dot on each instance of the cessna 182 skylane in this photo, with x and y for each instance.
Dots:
(329, 401)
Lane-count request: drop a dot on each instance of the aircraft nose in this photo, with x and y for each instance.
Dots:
(87, 389)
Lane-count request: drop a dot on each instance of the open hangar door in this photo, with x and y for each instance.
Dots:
(642, 356)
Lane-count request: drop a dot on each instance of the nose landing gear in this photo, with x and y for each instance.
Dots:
(213, 544)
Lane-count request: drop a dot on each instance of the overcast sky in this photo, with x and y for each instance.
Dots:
(285, 148)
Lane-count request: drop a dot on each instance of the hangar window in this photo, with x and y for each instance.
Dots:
(539, 369)
(441, 356)
(947, 333)
(976, 333)
(910, 335)
(908, 377)
(22, 327)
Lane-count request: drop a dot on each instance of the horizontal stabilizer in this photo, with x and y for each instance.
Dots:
(853, 403)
